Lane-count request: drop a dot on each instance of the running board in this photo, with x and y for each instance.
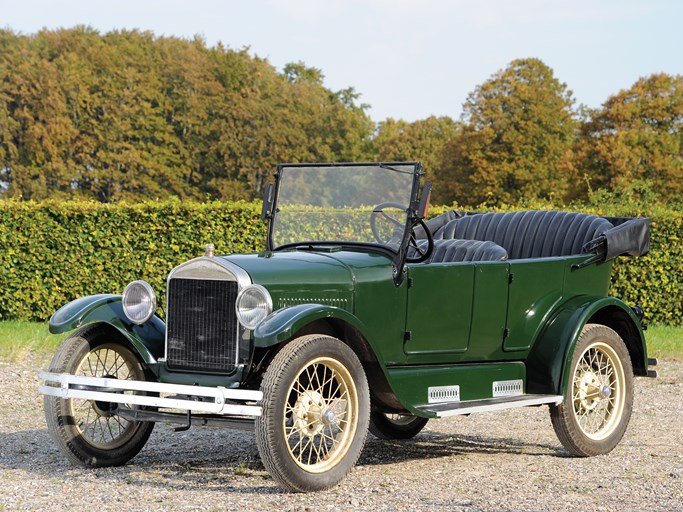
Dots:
(444, 409)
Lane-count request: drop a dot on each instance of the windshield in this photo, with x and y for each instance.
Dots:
(365, 203)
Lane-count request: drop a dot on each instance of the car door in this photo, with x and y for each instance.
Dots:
(456, 312)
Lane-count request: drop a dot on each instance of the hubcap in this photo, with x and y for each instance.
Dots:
(328, 416)
(605, 392)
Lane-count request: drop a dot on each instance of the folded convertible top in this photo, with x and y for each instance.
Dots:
(629, 236)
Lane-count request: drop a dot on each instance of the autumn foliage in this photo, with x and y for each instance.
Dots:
(131, 116)
(128, 115)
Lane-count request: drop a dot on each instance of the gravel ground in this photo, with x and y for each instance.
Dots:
(509, 460)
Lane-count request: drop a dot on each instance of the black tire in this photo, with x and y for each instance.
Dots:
(396, 426)
(596, 410)
(316, 409)
(91, 433)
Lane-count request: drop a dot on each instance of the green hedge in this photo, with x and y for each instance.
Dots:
(655, 281)
(53, 252)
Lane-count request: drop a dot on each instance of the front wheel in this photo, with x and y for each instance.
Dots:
(315, 413)
(596, 410)
(90, 432)
(396, 426)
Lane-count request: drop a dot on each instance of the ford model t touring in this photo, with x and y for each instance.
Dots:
(359, 315)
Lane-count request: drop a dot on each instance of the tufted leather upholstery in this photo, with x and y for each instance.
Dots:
(528, 234)
(464, 250)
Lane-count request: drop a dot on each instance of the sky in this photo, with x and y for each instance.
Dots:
(409, 59)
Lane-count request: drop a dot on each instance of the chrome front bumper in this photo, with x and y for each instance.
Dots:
(222, 401)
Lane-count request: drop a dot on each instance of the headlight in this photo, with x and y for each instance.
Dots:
(139, 302)
(253, 305)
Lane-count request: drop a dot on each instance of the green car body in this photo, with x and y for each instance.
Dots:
(433, 338)
(448, 322)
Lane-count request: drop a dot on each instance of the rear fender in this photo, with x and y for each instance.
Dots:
(548, 364)
(148, 339)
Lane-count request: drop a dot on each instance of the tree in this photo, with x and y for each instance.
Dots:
(36, 133)
(517, 140)
(421, 141)
(637, 135)
(296, 72)
(128, 115)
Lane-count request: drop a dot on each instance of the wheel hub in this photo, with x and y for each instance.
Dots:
(591, 391)
(106, 409)
(309, 412)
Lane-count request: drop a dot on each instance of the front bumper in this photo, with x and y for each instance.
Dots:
(202, 399)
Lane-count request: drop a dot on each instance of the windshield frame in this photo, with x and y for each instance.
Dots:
(397, 255)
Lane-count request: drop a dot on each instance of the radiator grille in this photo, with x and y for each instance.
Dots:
(202, 325)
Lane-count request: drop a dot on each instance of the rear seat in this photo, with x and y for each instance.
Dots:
(525, 234)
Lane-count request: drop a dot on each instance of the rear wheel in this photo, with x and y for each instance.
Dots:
(316, 407)
(594, 415)
(90, 432)
(396, 426)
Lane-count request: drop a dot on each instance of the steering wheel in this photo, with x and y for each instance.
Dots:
(423, 252)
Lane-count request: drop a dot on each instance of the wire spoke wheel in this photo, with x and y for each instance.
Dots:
(90, 432)
(598, 391)
(97, 421)
(320, 425)
(316, 406)
(400, 419)
(594, 415)
(396, 426)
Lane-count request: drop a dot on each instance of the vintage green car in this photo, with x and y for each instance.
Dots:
(359, 315)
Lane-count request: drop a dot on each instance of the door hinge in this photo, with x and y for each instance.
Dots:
(511, 277)
(506, 333)
(410, 282)
(407, 335)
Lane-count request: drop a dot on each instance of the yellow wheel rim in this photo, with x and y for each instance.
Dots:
(320, 415)
(598, 392)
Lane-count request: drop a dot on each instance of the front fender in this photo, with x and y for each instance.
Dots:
(282, 324)
(548, 364)
(148, 339)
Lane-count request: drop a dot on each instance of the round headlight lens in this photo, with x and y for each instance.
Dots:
(253, 305)
(139, 302)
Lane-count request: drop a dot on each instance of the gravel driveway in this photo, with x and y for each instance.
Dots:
(509, 460)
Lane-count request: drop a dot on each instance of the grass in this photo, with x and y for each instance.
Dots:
(665, 342)
(18, 338)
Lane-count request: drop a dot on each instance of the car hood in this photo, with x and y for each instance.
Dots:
(289, 268)
(298, 277)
